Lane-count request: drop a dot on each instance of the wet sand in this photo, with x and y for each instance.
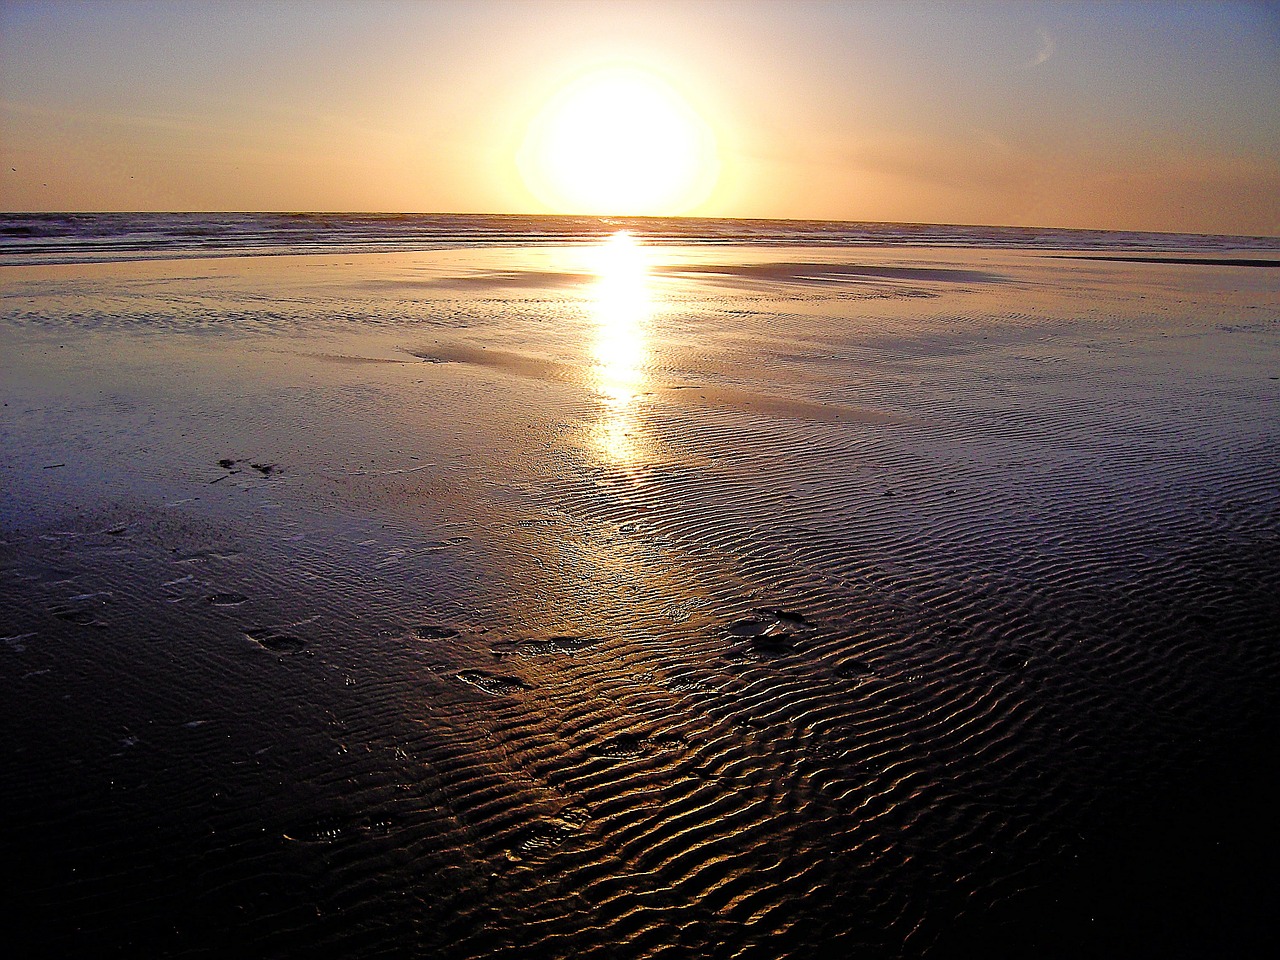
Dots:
(664, 602)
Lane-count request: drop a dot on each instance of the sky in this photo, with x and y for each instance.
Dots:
(1139, 116)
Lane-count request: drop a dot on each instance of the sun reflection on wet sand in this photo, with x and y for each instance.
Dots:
(621, 306)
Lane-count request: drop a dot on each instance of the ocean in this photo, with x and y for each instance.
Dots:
(72, 238)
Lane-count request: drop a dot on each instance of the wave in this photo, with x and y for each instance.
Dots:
(85, 237)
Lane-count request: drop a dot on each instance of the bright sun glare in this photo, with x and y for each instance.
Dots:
(619, 141)
(622, 306)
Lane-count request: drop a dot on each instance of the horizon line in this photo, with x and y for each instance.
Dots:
(604, 218)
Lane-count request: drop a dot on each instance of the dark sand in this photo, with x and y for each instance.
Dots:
(460, 605)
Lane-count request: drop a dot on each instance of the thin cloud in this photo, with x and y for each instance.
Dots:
(1046, 51)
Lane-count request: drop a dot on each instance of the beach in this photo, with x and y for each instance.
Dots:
(615, 595)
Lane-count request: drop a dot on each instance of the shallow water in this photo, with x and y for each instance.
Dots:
(632, 599)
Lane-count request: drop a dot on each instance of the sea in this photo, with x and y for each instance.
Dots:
(82, 237)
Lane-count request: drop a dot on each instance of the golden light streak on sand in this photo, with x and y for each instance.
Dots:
(622, 306)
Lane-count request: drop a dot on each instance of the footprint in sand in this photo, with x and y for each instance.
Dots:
(274, 640)
(540, 840)
(624, 746)
(855, 670)
(493, 684)
(771, 630)
(434, 631)
(544, 646)
(334, 830)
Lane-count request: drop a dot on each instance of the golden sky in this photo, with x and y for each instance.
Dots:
(1156, 116)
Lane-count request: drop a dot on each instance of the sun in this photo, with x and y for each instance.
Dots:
(620, 141)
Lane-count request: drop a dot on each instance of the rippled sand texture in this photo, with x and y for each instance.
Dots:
(616, 601)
